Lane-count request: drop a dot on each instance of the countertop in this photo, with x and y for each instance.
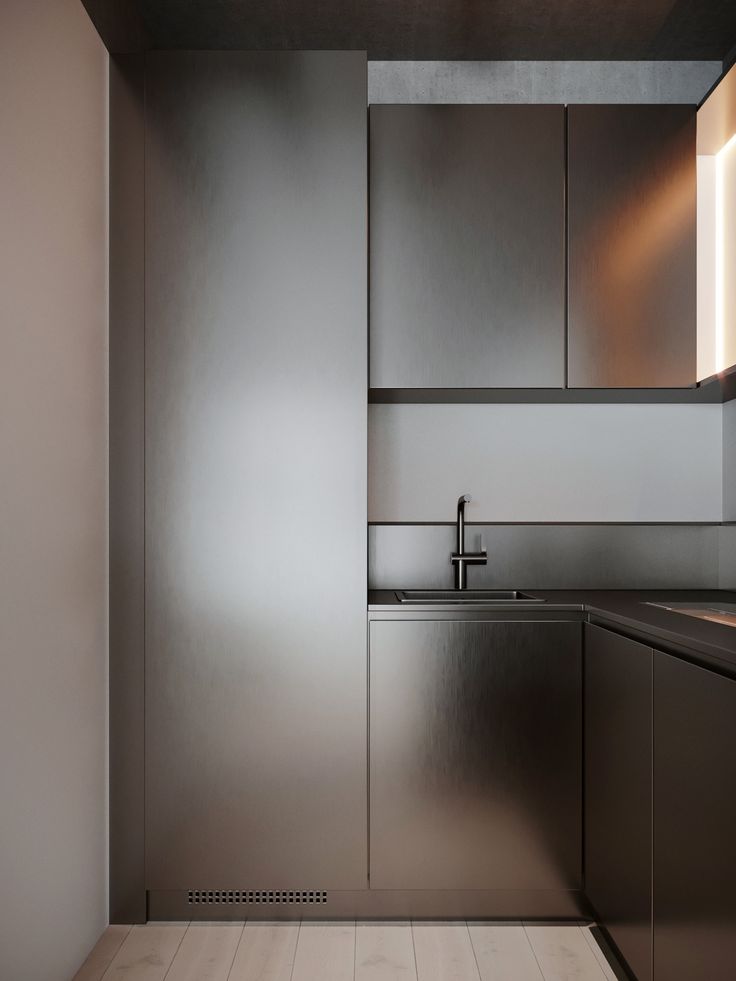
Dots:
(701, 641)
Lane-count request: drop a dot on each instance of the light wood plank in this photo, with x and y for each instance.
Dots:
(563, 953)
(444, 952)
(265, 952)
(503, 952)
(146, 953)
(103, 952)
(206, 953)
(598, 953)
(384, 952)
(325, 952)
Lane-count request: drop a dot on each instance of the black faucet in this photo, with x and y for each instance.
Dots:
(460, 558)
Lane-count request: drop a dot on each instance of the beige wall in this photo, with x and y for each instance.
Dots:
(53, 459)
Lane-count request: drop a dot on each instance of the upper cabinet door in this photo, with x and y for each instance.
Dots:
(631, 234)
(467, 261)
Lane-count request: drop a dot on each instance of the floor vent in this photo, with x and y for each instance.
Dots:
(198, 897)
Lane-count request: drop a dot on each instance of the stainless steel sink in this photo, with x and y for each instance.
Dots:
(464, 596)
(716, 612)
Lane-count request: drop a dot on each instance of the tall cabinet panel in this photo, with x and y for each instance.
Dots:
(694, 822)
(467, 261)
(255, 470)
(618, 792)
(631, 240)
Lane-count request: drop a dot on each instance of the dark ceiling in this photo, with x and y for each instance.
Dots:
(453, 29)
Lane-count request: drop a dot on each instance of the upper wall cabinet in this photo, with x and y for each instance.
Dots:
(467, 264)
(631, 246)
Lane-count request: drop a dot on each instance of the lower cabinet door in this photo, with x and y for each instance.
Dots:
(694, 823)
(618, 792)
(475, 755)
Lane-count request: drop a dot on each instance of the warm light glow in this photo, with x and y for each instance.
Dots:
(720, 254)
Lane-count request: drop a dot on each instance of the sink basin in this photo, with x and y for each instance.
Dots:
(716, 612)
(464, 596)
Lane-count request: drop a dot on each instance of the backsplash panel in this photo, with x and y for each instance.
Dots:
(727, 557)
(729, 461)
(550, 556)
(546, 463)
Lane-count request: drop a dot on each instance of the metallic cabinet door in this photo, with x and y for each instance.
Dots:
(475, 755)
(618, 791)
(256, 470)
(467, 257)
(694, 822)
(631, 246)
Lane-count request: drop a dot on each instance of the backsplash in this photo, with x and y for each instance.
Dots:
(550, 556)
(727, 557)
(546, 463)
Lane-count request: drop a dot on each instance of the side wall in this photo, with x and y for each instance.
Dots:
(53, 303)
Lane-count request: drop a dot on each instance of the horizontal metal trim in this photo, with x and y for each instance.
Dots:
(553, 524)
(715, 390)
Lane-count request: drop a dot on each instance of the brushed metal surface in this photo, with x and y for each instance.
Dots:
(631, 246)
(694, 821)
(727, 556)
(126, 490)
(465, 596)
(729, 461)
(475, 755)
(618, 791)
(550, 82)
(466, 246)
(716, 389)
(601, 463)
(256, 470)
(551, 556)
(386, 904)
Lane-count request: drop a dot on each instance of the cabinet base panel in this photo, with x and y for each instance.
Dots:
(502, 904)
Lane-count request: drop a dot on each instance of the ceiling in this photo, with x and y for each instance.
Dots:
(546, 30)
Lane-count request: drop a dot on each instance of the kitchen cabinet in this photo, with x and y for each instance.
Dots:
(255, 476)
(694, 822)
(467, 255)
(618, 791)
(631, 246)
(475, 755)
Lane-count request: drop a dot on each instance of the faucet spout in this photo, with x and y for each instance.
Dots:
(460, 541)
(460, 558)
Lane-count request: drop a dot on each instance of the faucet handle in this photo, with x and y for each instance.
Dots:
(481, 547)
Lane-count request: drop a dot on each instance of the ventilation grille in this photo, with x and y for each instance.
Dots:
(198, 897)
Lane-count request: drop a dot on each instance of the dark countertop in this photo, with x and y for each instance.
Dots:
(700, 641)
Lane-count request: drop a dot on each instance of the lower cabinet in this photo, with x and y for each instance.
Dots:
(694, 823)
(475, 755)
(660, 809)
(618, 792)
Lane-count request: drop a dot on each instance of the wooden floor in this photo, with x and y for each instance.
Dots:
(346, 951)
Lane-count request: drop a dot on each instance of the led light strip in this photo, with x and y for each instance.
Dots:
(720, 258)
